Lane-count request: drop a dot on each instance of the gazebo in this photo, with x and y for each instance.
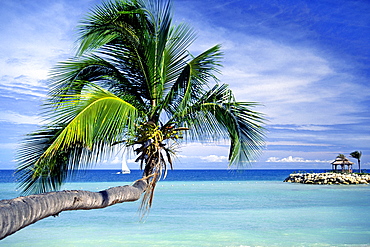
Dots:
(341, 160)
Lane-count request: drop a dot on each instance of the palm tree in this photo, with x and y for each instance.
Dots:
(134, 84)
(357, 155)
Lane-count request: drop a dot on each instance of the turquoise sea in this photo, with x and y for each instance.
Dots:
(208, 208)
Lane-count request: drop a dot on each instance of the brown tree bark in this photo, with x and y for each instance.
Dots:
(20, 212)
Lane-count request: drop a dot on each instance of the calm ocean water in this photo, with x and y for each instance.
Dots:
(208, 208)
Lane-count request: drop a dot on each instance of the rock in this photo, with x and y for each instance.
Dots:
(328, 178)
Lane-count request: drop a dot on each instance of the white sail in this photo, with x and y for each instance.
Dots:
(124, 167)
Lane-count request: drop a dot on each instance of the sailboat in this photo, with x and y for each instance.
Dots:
(124, 168)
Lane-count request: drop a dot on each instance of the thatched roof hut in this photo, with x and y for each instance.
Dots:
(343, 162)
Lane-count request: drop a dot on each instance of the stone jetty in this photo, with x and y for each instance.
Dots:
(328, 178)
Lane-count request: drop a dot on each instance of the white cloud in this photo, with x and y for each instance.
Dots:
(113, 161)
(214, 158)
(32, 46)
(295, 143)
(296, 88)
(291, 159)
(11, 146)
(310, 127)
(17, 118)
(21, 86)
(132, 161)
(116, 160)
(298, 83)
(196, 149)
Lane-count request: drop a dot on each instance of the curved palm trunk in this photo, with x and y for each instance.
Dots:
(20, 212)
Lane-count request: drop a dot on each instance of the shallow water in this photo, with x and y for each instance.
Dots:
(213, 213)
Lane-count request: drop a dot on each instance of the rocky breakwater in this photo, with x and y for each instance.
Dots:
(328, 178)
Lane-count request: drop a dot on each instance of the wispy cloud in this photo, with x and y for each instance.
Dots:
(37, 35)
(309, 127)
(291, 80)
(17, 118)
(22, 86)
(291, 159)
(11, 146)
(273, 60)
(295, 143)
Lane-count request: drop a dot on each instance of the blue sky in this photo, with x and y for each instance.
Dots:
(306, 62)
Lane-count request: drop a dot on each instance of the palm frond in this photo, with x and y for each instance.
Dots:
(112, 22)
(176, 55)
(217, 116)
(72, 76)
(91, 123)
(31, 150)
(191, 83)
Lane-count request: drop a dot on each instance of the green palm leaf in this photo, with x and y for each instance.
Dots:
(190, 83)
(217, 116)
(91, 123)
